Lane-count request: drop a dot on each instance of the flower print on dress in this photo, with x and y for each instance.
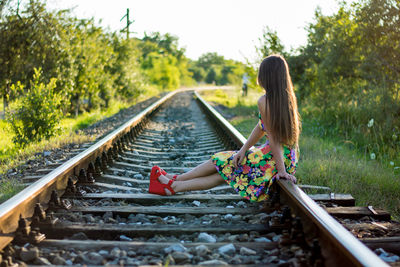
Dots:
(257, 172)
(253, 178)
(225, 156)
(266, 149)
(293, 154)
(255, 157)
(241, 182)
(259, 180)
(227, 170)
(261, 123)
(250, 189)
(246, 169)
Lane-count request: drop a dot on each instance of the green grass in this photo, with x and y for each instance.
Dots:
(11, 156)
(323, 161)
(86, 119)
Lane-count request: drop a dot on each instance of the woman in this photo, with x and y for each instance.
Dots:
(250, 171)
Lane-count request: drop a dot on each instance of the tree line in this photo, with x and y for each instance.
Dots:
(83, 67)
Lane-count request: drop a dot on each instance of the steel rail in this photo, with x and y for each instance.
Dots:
(22, 204)
(333, 237)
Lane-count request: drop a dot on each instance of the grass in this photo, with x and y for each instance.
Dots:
(11, 156)
(88, 118)
(323, 161)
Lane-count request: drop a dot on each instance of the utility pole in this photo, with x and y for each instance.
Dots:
(127, 23)
(18, 9)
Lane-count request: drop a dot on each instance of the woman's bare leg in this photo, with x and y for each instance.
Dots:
(204, 169)
(199, 183)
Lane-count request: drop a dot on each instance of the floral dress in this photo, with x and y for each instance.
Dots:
(256, 173)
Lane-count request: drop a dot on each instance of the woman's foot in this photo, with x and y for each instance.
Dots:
(169, 176)
(164, 179)
(159, 183)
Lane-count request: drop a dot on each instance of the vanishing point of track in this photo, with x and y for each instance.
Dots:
(94, 209)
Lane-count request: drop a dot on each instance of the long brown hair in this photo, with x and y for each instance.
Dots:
(283, 119)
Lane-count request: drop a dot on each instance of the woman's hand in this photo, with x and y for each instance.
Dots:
(287, 176)
(238, 158)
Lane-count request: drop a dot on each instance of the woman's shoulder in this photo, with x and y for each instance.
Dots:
(262, 103)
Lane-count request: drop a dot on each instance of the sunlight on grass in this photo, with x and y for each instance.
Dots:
(5, 139)
(15, 156)
(346, 171)
(86, 119)
(8, 188)
(323, 162)
(233, 98)
(11, 156)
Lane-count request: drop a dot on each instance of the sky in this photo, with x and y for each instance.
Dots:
(231, 28)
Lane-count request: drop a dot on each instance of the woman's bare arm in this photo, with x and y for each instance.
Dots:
(255, 135)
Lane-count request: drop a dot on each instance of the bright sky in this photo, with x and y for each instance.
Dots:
(229, 27)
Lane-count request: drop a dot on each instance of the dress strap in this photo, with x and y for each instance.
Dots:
(261, 123)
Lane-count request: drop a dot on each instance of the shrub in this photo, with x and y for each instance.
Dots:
(37, 114)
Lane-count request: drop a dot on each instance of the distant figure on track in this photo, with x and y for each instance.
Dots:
(245, 81)
(250, 171)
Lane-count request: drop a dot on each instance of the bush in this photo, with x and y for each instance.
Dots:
(37, 114)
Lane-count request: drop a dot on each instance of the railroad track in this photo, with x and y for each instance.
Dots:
(94, 209)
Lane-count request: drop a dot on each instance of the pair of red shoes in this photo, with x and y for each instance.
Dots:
(156, 187)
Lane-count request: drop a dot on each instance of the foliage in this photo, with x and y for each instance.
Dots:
(11, 155)
(29, 38)
(270, 43)
(163, 62)
(92, 67)
(215, 69)
(211, 76)
(38, 113)
(162, 70)
(129, 81)
(347, 75)
(92, 57)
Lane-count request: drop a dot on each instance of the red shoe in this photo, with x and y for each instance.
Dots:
(156, 172)
(157, 169)
(156, 187)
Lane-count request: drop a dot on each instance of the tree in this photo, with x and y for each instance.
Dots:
(129, 82)
(30, 38)
(92, 60)
(38, 114)
(270, 44)
(162, 70)
(164, 63)
(211, 76)
(12, 53)
(207, 60)
(348, 73)
(199, 73)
